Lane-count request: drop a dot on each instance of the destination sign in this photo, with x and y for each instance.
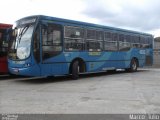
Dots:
(27, 21)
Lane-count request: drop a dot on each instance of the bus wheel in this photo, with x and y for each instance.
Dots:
(75, 70)
(133, 66)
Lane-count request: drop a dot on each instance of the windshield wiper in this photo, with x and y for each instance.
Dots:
(22, 33)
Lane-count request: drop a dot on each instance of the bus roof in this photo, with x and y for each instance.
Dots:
(4, 26)
(85, 24)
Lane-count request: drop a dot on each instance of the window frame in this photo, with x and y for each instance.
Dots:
(95, 40)
(72, 39)
(51, 51)
(135, 41)
(124, 44)
(111, 40)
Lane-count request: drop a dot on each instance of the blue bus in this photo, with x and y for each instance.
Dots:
(49, 46)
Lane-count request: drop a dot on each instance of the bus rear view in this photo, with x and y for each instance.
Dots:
(5, 30)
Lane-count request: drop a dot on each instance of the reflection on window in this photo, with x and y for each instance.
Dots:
(91, 34)
(74, 32)
(99, 35)
(114, 36)
(94, 41)
(51, 39)
(150, 42)
(124, 42)
(94, 46)
(110, 45)
(124, 46)
(74, 45)
(135, 41)
(110, 41)
(74, 38)
(146, 42)
(108, 36)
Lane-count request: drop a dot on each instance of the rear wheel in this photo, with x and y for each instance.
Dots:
(133, 66)
(75, 70)
(111, 71)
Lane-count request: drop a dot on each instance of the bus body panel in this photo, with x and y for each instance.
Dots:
(52, 67)
(25, 71)
(3, 65)
(59, 65)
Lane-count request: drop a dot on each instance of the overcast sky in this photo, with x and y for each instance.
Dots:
(139, 15)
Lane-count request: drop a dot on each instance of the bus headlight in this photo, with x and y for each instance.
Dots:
(27, 65)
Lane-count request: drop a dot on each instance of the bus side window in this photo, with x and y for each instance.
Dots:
(110, 42)
(124, 42)
(135, 41)
(109, 45)
(150, 42)
(36, 45)
(144, 42)
(74, 38)
(51, 40)
(94, 40)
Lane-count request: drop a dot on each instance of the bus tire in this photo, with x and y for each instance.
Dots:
(75, 70)
(133, 66)
(111, 71)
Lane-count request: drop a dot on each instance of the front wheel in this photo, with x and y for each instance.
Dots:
(75, 70)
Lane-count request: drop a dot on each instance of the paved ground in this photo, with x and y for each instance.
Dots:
(96, 93)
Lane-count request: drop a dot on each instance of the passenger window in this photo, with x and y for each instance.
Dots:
(146, 42)
(110, 41)
(108, 36)
(124, 42)
(94, 41)
(135, 41)
(99, 35)
(150, 42)
(74, 38)
(51, 40)
(91, 34)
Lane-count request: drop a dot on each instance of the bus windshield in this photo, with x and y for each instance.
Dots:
(21, 44)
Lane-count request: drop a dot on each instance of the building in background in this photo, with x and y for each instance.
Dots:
(156, 52)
